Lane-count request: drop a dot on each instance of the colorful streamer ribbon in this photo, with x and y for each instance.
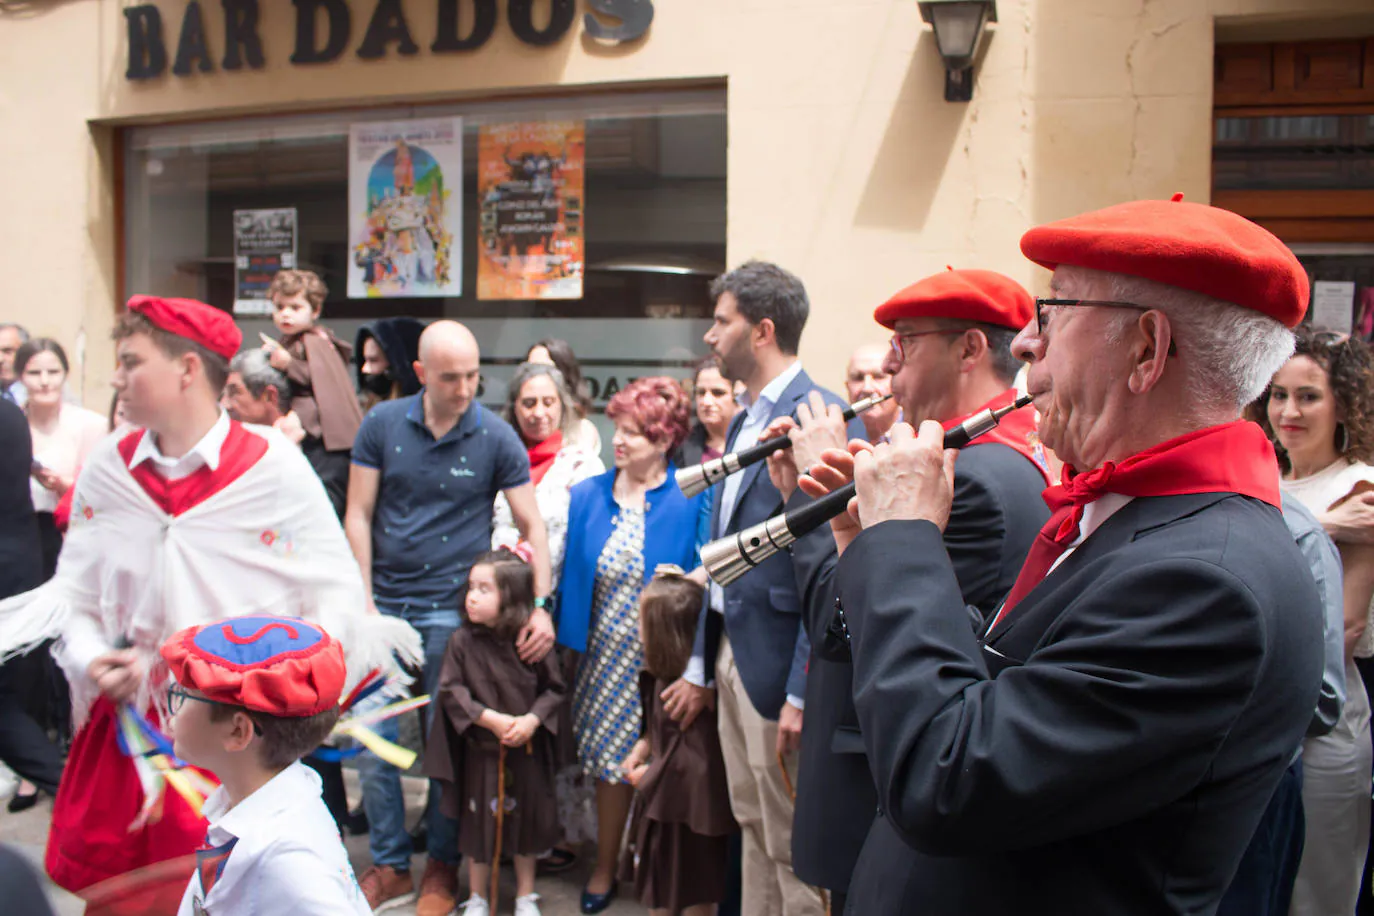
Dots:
(157, 767)
(358, 728)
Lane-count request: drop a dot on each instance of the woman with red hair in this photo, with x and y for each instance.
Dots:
(621, 525)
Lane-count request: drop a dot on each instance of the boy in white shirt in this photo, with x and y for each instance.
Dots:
(254, 695)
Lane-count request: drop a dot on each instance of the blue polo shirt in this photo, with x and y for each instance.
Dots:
(433, 511)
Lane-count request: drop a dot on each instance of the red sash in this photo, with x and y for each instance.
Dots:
(1016, 431)
(1235, 457)
(240, 452)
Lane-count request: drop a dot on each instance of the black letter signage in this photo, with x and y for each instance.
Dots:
(191, 46)
(634, 16)
(308, 49)
(322, 42)
(521, 15)
(147, 53)
(483, 24)
(388, 24)
(241, 32)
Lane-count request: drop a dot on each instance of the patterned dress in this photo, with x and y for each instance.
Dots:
(606, 708)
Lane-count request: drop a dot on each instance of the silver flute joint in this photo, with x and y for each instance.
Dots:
(731, 557)
(699, 477)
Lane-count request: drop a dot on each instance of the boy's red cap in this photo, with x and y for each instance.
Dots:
(971, 295)
(1192, 246)
(212, 328)
(281, 666)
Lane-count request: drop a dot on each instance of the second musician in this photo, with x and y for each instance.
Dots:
(950, 358)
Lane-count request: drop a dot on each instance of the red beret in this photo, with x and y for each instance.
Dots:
(1192, 246)
(971, 295)
(212, 328)
(278, 665)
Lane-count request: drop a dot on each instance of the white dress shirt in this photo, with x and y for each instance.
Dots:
(287, 858)
(756, 414)
(204, 453)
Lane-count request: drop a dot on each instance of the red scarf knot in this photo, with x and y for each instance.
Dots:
(1234, 457)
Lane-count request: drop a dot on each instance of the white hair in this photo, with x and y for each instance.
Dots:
(1230, 352)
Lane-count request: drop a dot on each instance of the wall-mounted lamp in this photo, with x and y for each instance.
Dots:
(958, 25)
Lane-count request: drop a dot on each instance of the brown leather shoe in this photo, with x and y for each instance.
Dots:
(385, 887)
(438, 889)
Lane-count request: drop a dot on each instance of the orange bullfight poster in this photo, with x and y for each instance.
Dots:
(531, 184)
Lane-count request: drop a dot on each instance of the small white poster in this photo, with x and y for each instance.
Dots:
(405, 208)
(1333, 304)
(264, 243)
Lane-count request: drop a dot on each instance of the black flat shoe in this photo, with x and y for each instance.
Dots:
(24, 803)
(596, 903)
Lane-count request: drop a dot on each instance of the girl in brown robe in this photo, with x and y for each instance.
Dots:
(679, 838)
(490, 699)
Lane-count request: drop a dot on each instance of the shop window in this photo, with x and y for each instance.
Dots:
(1293, 150)
(650, 218)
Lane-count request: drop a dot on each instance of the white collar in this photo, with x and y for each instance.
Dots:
(774, 389)
(282, 792)
(207, 449)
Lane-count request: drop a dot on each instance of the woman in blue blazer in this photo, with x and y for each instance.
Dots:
(621, 525)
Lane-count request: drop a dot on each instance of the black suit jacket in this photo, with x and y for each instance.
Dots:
(997, 512)
(21, 561)
(1112, 746)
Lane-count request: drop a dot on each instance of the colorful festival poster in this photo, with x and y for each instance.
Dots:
(405, 202)
(264, 243)
(531, 181)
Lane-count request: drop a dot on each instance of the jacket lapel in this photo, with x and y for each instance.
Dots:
(1135, 518)
(783, 407)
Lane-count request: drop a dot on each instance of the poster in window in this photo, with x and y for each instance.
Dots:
(405, 203)
(530, 184)
(264, 243)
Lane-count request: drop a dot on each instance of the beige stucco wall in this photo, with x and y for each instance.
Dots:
(845, 162)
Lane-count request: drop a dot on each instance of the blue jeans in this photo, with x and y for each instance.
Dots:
(381, 782)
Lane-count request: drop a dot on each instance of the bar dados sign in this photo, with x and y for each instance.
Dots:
(325, 29)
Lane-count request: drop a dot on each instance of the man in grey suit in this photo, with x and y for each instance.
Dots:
(758, 658)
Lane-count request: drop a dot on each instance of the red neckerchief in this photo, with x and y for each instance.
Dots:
(240, 452)
(542, 455)
(1235, 457)
(1016, 431)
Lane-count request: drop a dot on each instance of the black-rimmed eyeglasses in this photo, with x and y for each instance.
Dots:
(900, 348)
(178, 695)
(1080, 303)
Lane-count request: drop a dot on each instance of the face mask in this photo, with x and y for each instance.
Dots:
(378, 383)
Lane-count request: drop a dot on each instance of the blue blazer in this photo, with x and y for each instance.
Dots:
(675, 527)
(763, 610)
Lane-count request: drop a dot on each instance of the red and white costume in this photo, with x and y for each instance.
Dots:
(239, 525)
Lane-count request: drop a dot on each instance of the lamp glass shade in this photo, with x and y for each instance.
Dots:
(957, 27)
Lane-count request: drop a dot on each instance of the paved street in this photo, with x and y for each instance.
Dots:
(27, 831)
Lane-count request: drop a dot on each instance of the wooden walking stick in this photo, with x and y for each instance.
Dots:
(500, 822)
(792, 794)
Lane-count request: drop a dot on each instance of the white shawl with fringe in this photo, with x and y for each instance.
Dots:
(131, 575)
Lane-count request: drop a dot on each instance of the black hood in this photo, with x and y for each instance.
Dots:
(399, 339)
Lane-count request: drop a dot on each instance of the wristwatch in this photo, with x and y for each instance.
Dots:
(541, 602)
